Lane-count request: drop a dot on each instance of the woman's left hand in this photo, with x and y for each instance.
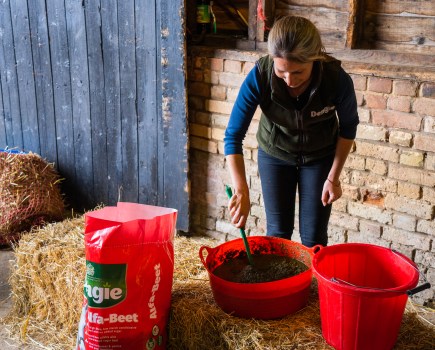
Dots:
(331, 192)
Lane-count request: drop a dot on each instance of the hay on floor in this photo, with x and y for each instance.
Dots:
(47, 282)
(198, 323)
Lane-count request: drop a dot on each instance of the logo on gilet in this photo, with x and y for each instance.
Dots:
(321, 112)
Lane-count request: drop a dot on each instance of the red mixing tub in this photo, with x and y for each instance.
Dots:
(268, 300)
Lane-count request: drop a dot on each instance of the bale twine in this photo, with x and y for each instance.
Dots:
(29, 193)
(48, 315)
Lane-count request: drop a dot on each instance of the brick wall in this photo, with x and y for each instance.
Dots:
(388, 179)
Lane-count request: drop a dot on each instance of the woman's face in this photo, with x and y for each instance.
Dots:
(293, 73)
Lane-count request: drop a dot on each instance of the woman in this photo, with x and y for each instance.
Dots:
(306, 131)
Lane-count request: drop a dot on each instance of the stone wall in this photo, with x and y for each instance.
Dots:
(388, 179)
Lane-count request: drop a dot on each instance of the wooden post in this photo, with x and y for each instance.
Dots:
(264, 24)
(354, 24)
(252, 30)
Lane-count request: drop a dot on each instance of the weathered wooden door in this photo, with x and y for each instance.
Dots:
(98, 88)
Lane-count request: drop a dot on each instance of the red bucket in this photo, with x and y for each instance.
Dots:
(363, 290)
(268, 300)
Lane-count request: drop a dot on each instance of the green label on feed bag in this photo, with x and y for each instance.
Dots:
(105, 284)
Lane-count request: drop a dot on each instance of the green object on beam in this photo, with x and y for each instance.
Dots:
(242, 230)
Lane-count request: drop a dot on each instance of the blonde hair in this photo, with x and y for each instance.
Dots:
(296, 39)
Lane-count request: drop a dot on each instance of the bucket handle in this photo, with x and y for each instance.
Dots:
(418, 289)
(425, 285)
(316, 248)
(413, 291)
(201, 254)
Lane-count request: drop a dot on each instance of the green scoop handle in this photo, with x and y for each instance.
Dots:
(242, 230)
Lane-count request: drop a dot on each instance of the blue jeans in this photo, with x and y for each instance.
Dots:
(279, 182)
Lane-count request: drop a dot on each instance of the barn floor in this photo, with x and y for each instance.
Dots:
(5, 302)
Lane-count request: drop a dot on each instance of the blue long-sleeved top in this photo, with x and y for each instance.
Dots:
(249, 98)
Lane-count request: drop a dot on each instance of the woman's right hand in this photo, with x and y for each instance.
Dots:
(239, 206)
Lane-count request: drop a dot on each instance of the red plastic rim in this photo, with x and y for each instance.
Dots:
(362, 268)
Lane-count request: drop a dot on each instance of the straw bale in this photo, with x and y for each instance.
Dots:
(188, 266)
(29, 194)
(48, 315)
(47, 284)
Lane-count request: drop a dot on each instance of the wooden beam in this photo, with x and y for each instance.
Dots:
(395, 65)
